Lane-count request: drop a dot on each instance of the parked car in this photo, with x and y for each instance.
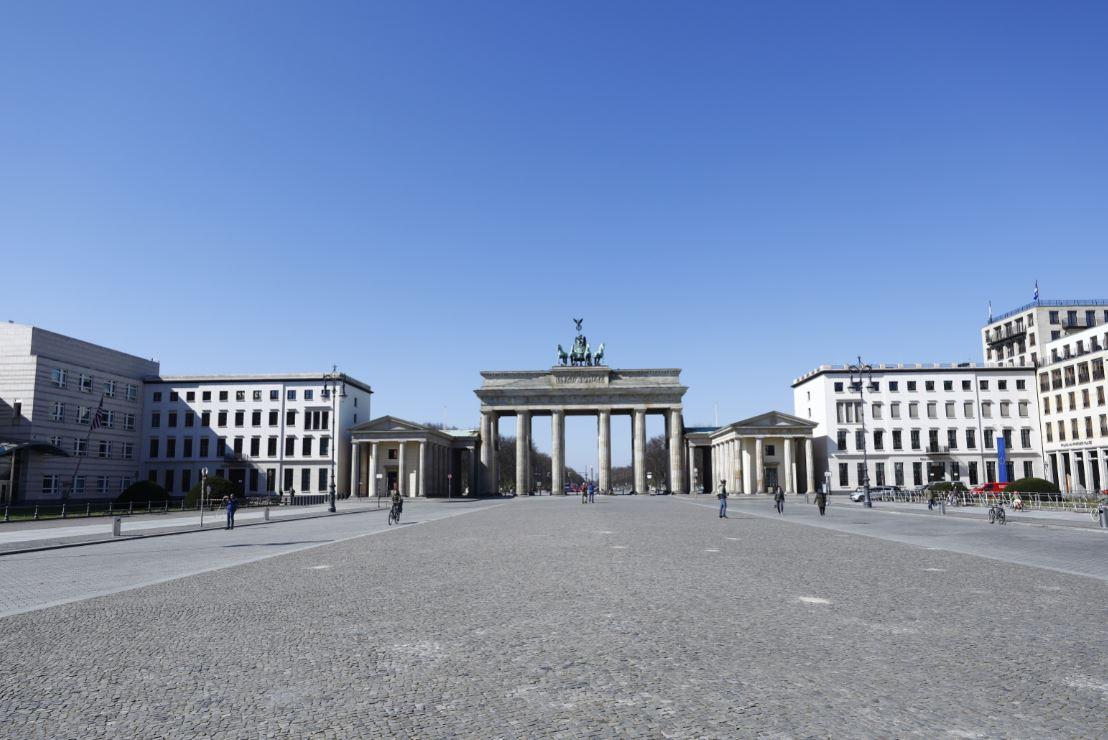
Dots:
(988, 489)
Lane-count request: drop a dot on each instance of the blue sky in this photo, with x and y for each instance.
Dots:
(421, 190)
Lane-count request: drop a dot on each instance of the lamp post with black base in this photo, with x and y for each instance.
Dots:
(332, 381)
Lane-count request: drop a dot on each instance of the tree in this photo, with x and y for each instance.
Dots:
(220, 487)
(141, 492)
(541, 467)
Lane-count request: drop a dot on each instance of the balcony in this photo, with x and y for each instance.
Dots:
(937, 450)
(1000, 337)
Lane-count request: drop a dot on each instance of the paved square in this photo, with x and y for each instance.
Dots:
(633, 616)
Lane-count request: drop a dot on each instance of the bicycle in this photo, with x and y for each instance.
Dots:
(996, 514)
(394, 514)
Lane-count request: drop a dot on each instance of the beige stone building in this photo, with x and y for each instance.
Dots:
(390, 454)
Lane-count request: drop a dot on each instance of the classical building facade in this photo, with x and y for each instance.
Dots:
(923, 423)
(1072, 391)
(592, 390)
(390, 454)
(754, 455)
(268, 433)
(71, 396)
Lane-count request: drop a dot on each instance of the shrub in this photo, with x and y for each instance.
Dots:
(220, 487)
(142, 492)
(1032, 485)
(945, 486)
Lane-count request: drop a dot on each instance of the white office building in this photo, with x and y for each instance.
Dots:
(1018, 337)
(267, 433)
(1074, 413)
(923, 423)
(51, 387)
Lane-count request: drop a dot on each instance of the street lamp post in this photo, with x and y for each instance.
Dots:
(203, 488)
(331, 381)
(859, 375)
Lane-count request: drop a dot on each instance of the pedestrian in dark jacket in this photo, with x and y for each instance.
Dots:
(722, 496)
(821, 502)
(232, 506)
(779, 500)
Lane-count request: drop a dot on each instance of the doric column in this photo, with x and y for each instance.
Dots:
(748, 465)
(759, 465)
(714, 452)
(676, 445)
(523, 450)
(557, 451)
(638, 448)
(809, 466)
(1087, 462)
(604, 448)
(402, 474)
(690, 452)
(421, 473)
(371, 487)
(733, 468)
(494, 464)
(1102, 462)
(739, 488)
(355, 468)
(788, 458)
(486, 454)
(474, 481)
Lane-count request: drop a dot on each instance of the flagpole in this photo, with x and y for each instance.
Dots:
(88, 435)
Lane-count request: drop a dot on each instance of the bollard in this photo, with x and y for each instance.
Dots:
(267, 512)
(117, 526)
(35, 516)
(942, 507)
(88, 510)
(63, 511)
(130, 507)
(1104, 517)
(7, 517)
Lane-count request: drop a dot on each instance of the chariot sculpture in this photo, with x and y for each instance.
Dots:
(581, 354)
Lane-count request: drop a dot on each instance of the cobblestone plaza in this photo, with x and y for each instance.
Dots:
(636, 616)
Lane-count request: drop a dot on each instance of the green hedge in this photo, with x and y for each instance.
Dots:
(220, 487)
(1032, 485)
(945, 486)
(141, 492)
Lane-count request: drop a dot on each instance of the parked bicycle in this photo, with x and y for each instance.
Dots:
(996, 514)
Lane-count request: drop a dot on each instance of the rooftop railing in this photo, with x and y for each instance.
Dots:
(1049, 304)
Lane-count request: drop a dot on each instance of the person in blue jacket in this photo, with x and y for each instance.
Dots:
(232, 506)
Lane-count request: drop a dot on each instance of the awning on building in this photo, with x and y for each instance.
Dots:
(42, 448)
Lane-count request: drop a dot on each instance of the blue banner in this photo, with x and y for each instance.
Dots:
(1002, 461)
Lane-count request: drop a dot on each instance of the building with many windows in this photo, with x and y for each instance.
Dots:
(1072, 391)
(1018, 337)
(75, 398)
(268, 433)
(923, 423)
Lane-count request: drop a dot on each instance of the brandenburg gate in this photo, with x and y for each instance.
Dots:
(580, 386)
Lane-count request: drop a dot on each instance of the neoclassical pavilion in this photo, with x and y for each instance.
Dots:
(588, 390)
(415, 459)
(753, 455)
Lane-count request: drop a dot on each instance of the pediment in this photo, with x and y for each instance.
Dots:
(389, 424)
(772, 419)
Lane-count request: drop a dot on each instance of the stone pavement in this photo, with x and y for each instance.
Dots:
(631, 617)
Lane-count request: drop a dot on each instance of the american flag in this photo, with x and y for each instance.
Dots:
(98, 417)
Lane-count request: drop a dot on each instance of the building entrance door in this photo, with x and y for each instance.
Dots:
(392, 482)
(771, 478)
(238, 477)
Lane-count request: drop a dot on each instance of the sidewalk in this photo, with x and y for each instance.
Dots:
(19, 536)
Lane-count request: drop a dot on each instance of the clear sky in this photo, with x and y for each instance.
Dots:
(421, 190)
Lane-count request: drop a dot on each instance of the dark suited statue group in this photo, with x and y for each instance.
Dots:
(581, 355)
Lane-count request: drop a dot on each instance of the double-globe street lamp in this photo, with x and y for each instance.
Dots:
(331, 381)
(860, 374)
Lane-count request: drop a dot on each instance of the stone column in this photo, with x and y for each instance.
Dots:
(523, 450)
(714, 452)
(371, 488)
(676, 445)
(739, 467)
(494, 465)
(733, 471)
(759, 465)
(604, 448)
(1102, 463)
(355, 465)
(486, 454)
(402, 474)
(1088, 463)
(690, 451)
(638, 449)
(557, 451)
(809, 467)
(421, 473)
(787, 483)
(473, 477)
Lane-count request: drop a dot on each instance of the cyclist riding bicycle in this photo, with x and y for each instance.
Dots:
(397, 501)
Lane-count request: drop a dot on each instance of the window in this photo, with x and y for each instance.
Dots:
(186, 450)
(153, 447)
(290, 446)
(274, 418)
(205, 395)
(155, 420)
(129, 422)
(223, 395)
(240, 418)
(190, 419)
(911, 385)
(392, 451)
(1024, 407)
(50, 485)
(306, 479)
(917, 474)
(973, 472)
(186, 480)
(101, 485)
(989, 434)
(290, 418)
(844, 475)
(898, 474)
(171, 447)
(840, 440)
(84, 415)
(172, 420)
(950, 414)
(894, 409)
(986, 409)
(859, 440)
(290, 395)
(190, 396)
(205, 419)
(955, 470)
(255, 446)
(1002, 385)
(173, 397)
(107, 420)
(966, 385)
(109, 388)
(274, 395)
(876, 410)
(157, 398)
(1025, 439)
(1085, 398)
(894, 386)
(967, 409)
(237, 446)
(913, 410)
(324, 446)
(58, 414)
(983, 385)
(952, 438)
(915, 439)
(104, 449)
(59, 378)
(898, 440)
(323, 479)
(128, 451)
(929, 385)
(878, 440)
(204, 444)
(971, 439)
(271, 447)
(948, 385)
(124, 483)
(132, 392)
(1005, 409)
(270, 479)
(932, 410)
(288, 479)
(255, 418)
(257, 395)
(306, 447)
(253, 480)
(79, 485)
(240, 395)
(1021, 385)
(168, 485)
(1028, 469)
(863, 477)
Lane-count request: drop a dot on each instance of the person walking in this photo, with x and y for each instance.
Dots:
(722, 496)
(592, 493)
(821, 501)
(232, 506)
(779, 500)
